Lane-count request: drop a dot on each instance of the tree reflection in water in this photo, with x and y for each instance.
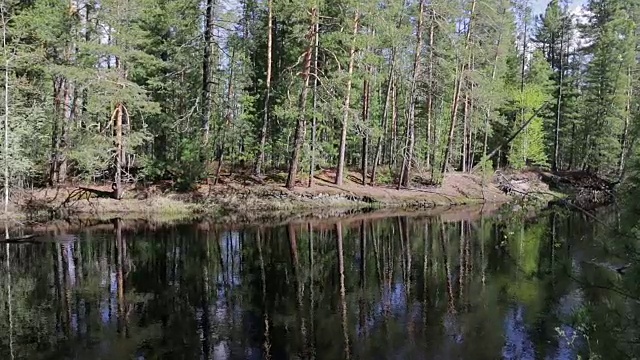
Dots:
(400, 287)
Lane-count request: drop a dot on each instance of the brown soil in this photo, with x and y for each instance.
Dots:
(242, 198)
(457, 188)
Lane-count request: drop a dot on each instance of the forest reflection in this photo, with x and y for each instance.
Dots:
(397, 287)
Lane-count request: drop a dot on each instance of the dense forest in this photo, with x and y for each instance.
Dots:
(130, 90)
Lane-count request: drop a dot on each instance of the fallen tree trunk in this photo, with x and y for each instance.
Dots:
(87, 193)
(18, 239)
(511, 138)
(100, 193)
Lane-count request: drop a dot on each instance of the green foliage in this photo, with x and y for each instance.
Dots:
(71, 67)
(529, 146)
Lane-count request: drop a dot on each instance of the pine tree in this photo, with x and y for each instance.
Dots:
(612, 53)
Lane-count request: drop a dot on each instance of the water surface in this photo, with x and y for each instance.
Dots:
(495, 287)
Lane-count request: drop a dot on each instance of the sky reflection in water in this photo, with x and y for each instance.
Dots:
(414, 288)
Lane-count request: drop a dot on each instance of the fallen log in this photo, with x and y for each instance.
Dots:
(511, 138)
(18, 239)
(100, 193)
(39, 239)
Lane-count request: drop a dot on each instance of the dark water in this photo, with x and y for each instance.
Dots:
(390, 288)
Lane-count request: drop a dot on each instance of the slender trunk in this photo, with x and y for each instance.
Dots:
(89, 6)
(472, 143)
(488, 114)
(625, 132)
(405, 176)
(393, 151)
(572, 156)
(469, 122)
(228, 122)
(430, 138)
(266, 346)
(366, 112)
(556, 143)
(621, 178)
(465, 133)
(5, 53)
(58, 90)
(343, 303)
(265, 119)
(9, 294)
(362, 302)
(311, 270)
(380, 151)
(347, 99)
(314, 119)
(456, 94)
(385, 114)
(64, 134)
(486, 137)
(365, 137)
(522, 73)
(206, 70)
(117, 190)
(121, 315)
(302, 104)
(452, 126)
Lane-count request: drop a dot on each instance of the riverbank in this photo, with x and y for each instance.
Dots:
(245, 197)
(248, 199)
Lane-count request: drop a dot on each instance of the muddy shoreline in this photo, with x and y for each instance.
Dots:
(240, 203)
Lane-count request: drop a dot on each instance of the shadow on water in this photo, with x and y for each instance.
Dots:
(384, 288)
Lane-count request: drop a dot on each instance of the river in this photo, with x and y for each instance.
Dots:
(403, 287)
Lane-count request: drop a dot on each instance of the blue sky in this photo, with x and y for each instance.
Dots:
(538, 6)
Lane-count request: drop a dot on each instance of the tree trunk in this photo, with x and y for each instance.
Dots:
(347, 98)
(382, 140)
(405, 176)
(5, 53)
(384, 122)
(365, 119)
(522, 75)
(58, 86)
(625, 132)
(488, 114)
(556, 142)
(206, 70)
(465, 133)
(393, 151)
(312, 162)
(452, 126)
(117, 182)
(302, 104)
(471, 149)
(64, 135)
(343, 302)
(430, 138)
(265, 118)
(456, 95)
(228, 122)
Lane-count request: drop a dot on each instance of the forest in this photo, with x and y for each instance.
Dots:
(395, 91)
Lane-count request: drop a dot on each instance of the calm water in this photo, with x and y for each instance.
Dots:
(391, 288)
